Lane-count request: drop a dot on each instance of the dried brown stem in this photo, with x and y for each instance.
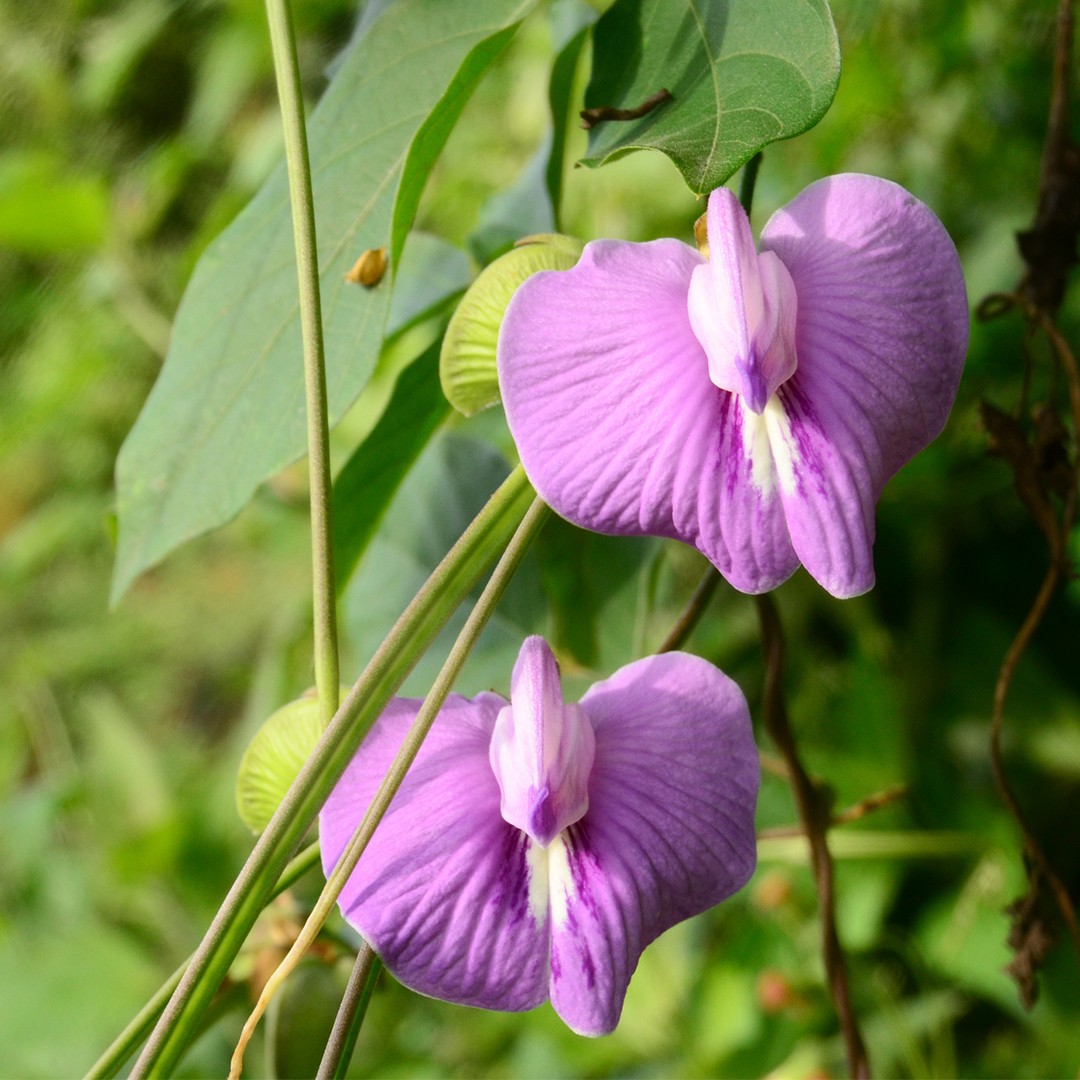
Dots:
(1032, 848)
(814, 815)
(1043, 467)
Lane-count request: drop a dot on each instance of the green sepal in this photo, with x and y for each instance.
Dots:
(274, 757)
(467, 361)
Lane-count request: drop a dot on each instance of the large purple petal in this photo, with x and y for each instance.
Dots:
(881, 334)
(620, 429)
(442, 891)
(669, 832)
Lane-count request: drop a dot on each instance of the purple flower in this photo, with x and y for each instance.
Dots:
(752, 404)
(536, 847)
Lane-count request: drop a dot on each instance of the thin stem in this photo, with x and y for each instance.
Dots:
(410, 747)
(693, 611)
(350, 1015)
(124, 1045)
(287, 71)
(447, 587)
(814, 815)
(855, 812)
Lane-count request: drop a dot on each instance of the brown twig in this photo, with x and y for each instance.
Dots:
(695, 608)
(855, 812)
(815, 818)
(600, 113)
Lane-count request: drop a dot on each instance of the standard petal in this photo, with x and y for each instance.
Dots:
(881, 335)
(608, 397)
(442, 892)
(669, 832)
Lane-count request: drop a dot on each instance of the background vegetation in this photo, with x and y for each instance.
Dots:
(134, 131)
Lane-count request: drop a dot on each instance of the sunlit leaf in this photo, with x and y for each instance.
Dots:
(228, 408)
(741, 74)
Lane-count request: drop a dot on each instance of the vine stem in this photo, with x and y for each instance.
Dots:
(410, 747)
(815, 818)
(350, 1015)
(287, 72)
(695, 608)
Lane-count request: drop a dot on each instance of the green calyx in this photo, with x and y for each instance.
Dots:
(467, 361)
(274, 757)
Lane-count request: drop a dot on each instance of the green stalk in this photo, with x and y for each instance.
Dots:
(126, 1043)
(406, 755)
(287, 71)
(447, 587)
(350, 1016)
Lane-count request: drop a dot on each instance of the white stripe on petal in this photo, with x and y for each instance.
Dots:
(771, 447)
(561, 880)
(536, 858)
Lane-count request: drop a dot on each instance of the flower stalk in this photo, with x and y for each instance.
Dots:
(287, 72)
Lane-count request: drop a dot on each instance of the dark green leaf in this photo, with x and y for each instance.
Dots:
(443, 492)
(228, 408)
(364, 487)
(741, 73)
(571, 21)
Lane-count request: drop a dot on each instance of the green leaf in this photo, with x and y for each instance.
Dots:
(584, 574)
(741, 73)
(430, 274)
(228, 408)
(571, 22)
(368, 481)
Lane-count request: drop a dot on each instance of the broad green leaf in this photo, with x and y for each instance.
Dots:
(228, 408)
(741, 74)
(443, 492)
(367, 482)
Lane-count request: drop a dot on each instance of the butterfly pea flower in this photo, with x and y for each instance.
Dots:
(750, 403)
(537, 846)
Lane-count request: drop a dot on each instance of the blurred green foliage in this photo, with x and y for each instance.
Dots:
(133, 133)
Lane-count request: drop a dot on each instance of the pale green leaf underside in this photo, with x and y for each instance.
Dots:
(742, 74)
(228, 408)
